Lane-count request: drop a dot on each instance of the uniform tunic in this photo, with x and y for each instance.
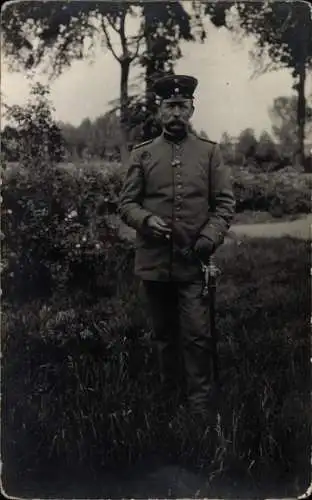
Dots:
(171, 180)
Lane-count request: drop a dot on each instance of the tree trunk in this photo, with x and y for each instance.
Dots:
(303, 40)
(150, 74)
(124, 98)
(301, 112)
(157, 57)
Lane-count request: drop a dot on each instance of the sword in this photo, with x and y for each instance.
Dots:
(211, 273)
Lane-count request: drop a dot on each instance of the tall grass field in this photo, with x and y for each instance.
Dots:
(81, 390)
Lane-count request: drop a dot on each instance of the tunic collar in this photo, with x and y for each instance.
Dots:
(175, 139)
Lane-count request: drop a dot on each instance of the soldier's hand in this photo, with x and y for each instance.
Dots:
(203, 248)
(158, 227)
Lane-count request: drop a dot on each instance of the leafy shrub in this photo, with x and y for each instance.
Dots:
(282, 192)
(247, 143)
(266, 149)
(59, 232)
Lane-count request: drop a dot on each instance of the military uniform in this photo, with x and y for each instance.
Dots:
(170, 178)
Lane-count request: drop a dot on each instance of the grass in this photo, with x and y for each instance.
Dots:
(80, 385)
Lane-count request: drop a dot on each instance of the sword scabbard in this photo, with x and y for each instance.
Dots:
(213, 273)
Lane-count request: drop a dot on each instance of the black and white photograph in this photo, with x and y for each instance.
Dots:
(156, 175)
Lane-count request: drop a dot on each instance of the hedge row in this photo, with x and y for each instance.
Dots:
(60, 228)
(282, 192)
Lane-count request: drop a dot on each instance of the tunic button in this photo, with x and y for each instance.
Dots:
(179, 186)
(176, 163)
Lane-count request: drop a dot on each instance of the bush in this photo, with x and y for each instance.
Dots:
(81, 384)
(282, 192)
(61, 230)
(59, 233)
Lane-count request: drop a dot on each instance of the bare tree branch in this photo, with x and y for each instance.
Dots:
(113, 25)
(123, 38)
(138, 41)
(262, 66)
(108, 41)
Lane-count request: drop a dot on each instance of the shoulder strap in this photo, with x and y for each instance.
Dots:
(141, 144)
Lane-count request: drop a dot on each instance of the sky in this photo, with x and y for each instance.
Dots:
(227, 98)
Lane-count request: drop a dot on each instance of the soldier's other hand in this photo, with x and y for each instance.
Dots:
(203, 248)
(158, 227)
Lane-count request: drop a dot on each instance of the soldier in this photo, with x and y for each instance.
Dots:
(165, 197)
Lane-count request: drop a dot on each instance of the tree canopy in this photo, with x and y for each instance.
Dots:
(283, 32)
(283, 114)
(53, 34)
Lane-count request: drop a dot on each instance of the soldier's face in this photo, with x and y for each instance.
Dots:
(176, 114)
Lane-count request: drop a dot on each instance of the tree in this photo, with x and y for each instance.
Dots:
(247, 143)
(65, 31)
(162, 42)
(59, 32)
(10, 143)
(98, 138)
(283, 32)
(106, 135)
(266, 151)
(283, 114)
(227, 148)
(37, 136)
(74, 143)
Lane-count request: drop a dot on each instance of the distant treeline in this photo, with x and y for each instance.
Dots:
(102, 138)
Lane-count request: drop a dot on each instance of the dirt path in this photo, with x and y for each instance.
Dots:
(300, 228)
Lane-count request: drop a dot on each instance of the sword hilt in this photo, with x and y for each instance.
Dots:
(210, 270)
